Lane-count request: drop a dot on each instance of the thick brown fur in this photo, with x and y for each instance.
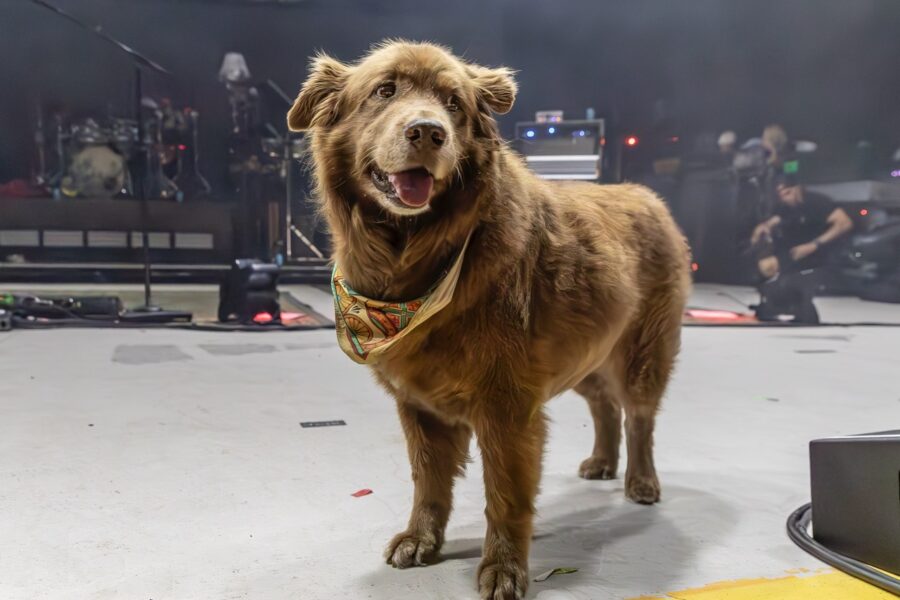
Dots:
(564, 285)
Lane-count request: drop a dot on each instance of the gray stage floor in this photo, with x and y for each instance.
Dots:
(171, 465)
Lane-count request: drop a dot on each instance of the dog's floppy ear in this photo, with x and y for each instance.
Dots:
(495, 87)
(317, 103)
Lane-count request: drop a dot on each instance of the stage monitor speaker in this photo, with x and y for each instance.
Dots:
(249, 289)
(856, 496)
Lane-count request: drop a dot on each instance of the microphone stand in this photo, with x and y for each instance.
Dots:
(148, 312)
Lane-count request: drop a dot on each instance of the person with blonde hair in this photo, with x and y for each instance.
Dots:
(775, 140)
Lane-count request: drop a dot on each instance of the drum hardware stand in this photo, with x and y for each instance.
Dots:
(54, 181)
(195, 140)
(44, 178)
(40, 139)
(306, 241)
(159, 184)
(287, 168)
(201, 188)
(148, 312)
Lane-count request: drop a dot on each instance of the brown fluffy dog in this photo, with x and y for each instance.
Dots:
(563, 285)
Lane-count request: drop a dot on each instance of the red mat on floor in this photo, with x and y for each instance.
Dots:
(704, 316)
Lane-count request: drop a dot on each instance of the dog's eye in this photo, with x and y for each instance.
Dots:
(386, 90)
(453, 104)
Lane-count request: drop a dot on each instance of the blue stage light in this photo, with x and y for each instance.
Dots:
(552, 130)
(529, 133)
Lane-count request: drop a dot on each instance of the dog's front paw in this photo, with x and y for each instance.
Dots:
(642, 489)
(597, 467)
(412, 549)
(502, 580)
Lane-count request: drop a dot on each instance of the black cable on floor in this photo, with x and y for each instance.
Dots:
(731, 296)
(797, 530)
(24, 323)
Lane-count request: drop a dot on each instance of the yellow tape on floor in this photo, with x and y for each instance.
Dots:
(825, 586)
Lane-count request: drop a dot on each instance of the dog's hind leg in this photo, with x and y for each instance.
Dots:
(641, 482)
(437, 453)
(649, 354)
(603, 399)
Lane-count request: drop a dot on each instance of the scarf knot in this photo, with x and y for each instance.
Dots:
(367, 327)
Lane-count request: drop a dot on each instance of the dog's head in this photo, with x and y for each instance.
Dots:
(402, 126)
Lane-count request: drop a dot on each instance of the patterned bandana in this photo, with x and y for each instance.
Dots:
(366, 328)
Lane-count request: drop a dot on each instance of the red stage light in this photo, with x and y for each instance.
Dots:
(864, 211)
(631, 140)
(695, 267)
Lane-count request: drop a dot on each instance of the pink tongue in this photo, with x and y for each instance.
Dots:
(413, 186)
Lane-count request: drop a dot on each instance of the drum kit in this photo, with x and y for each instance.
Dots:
(152, 153)
(118, 156)
(95, 157)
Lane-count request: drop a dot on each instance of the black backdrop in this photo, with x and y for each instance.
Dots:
(827, 69)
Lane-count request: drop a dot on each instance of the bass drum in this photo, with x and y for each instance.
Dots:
(95, 171)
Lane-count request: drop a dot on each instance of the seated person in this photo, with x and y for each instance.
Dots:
(800, 234)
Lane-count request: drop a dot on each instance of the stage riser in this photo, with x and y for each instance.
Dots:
(103, 230)
(318, 272)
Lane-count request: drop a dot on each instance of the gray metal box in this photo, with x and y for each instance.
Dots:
(856, 496)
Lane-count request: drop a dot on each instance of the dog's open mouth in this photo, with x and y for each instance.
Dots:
(412, 187)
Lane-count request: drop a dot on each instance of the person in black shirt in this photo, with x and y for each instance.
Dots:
(799, 233)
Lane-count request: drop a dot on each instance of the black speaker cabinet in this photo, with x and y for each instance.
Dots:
(856, 496)
(250, 288)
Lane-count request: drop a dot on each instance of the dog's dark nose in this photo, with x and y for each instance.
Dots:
(425, 129)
